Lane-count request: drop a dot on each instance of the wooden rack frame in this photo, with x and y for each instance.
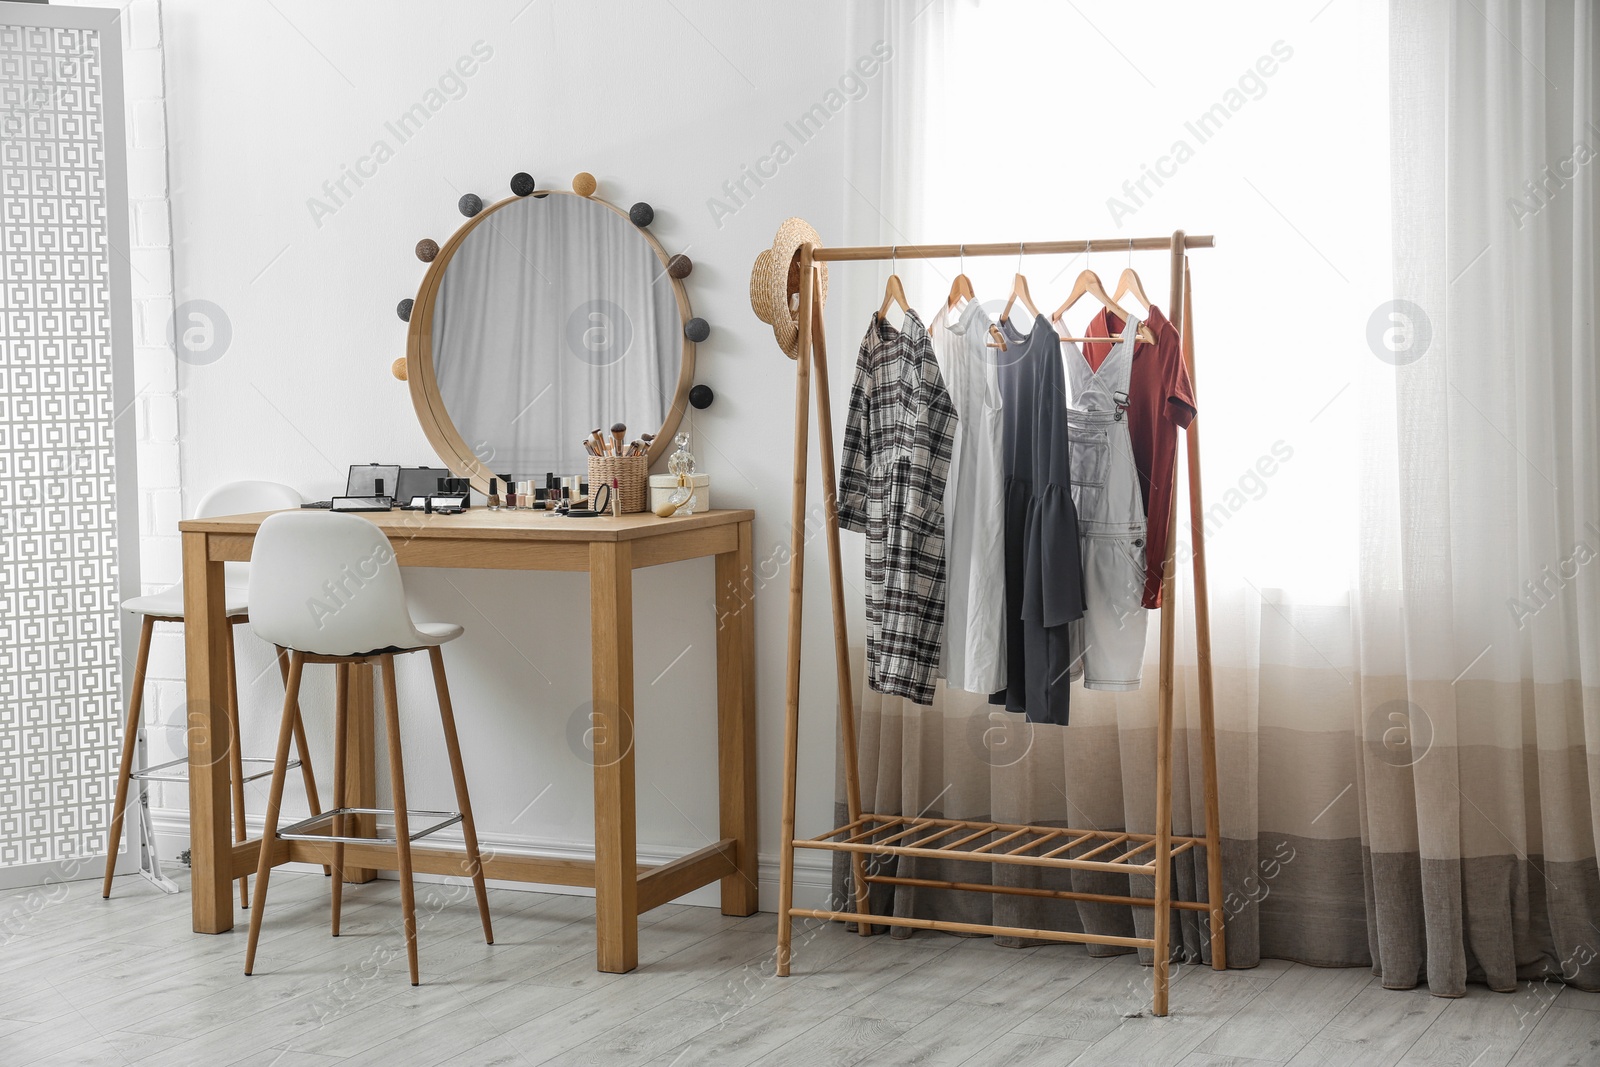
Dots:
(867, 834)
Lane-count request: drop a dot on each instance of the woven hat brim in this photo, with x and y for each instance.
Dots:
(771, 295)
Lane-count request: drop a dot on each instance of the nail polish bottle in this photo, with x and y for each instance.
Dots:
(494, 494)
(511, 493)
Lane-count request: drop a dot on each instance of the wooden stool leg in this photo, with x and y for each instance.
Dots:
(469, 830)
(341, 716)
(307, 775)
(236, 756)
(130, 741)
(269, 832)
(402, 824)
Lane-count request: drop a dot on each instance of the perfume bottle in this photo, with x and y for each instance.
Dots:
(682, 463)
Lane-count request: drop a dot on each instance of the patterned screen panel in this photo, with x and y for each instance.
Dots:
(59, 627)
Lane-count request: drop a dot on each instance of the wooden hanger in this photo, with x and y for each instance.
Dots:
(1019, 289)
(960, 289)
(1129, 283)
(894, 292)
(1088, 284)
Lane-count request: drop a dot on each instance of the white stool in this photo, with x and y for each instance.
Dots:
(327, 588)
(234, 498)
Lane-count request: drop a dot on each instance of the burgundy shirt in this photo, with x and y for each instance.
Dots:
(1160, 402)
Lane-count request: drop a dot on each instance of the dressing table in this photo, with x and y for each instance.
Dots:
(610, 549)
(545, 315)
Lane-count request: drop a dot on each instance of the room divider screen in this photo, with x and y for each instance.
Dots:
(68, 515)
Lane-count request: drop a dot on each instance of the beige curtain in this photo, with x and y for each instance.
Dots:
(1409, 770)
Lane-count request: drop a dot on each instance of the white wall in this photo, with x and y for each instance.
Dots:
(663, 102)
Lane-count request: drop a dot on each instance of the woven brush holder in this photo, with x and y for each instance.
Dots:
(632, 474)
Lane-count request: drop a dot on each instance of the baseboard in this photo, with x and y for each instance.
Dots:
(813, 873)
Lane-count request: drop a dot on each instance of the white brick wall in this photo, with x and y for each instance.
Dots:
(155, 373)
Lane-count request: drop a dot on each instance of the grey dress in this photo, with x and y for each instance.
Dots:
(1044, 578)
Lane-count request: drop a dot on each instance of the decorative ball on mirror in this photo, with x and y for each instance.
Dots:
(680, 266)
(427, 248)
(470, 204)
(398, 369)
(583, 183)
(642, 214)
(403, 309)
(697, 329)
(522, 183)
(701, 396)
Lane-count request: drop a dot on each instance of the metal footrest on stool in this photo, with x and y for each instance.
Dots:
(163, 772)
(300, 831)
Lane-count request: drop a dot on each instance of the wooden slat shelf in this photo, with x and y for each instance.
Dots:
(1015, 844)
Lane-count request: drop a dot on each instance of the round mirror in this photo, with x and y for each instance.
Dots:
(542, 318)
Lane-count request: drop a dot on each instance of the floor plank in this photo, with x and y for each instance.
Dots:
(947, 1038)
(1375, 1029)
(1563, 1037)
(839, 1041)
(1015, 1049)
(1092, 1009)
(739, 1037)
(937, 984)
(1287, 1014)
(1203, 1004)
(90, 982)
(1482, 1029)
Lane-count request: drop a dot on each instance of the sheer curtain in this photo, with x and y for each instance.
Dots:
(1479, 610)
(1360, 533)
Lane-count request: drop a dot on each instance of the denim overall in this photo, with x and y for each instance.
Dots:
(1108, 642)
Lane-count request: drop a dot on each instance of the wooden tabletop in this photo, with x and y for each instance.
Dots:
(481, 523)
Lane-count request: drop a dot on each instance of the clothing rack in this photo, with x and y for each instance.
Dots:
(868, 834)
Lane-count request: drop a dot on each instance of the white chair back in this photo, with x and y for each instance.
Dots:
(245, 498)
(328, 584)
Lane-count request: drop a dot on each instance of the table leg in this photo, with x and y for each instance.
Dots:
(611, 725)
(210, 806)
(736, 721)
(361, 762)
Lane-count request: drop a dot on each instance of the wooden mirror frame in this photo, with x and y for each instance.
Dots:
(440, 429)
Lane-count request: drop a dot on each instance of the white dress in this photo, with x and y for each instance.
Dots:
(974, 653)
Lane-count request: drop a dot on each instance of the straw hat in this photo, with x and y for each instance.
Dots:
(775, 283)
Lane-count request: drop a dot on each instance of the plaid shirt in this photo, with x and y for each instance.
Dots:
(897, 444)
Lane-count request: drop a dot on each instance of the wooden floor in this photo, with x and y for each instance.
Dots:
(85, 981)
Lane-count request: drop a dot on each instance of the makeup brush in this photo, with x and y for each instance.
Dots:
(599, 442)
(588, 446)
(617, 430)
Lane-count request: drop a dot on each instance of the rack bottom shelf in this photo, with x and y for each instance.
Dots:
(971, 928)
(1016, 845)
(1108, 851)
